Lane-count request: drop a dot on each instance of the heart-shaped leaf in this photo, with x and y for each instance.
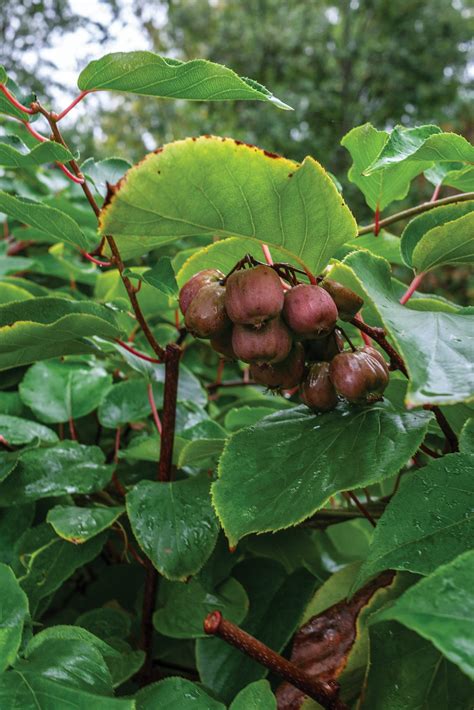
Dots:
(81, 524)
(282, 470)
(174, 524)
(19, 431)
(228, 188)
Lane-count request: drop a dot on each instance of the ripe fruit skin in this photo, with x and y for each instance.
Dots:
(325, 348)
(309, 311)
(206, 315)
(195, 283)
(271, 343)
(347, 302)
(222, 344)
(359, 376)
(253, 296)
(317, 390)
(283, 375)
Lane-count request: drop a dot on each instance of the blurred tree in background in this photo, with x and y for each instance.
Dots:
(339, 63)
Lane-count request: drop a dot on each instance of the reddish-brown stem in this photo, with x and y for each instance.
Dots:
(154, 411)
(324, 692)
(413, 211)
(445, 427)
(267, 254)
(170, 398)
(378, 334)
(220, 370)
(352, 497)
(117, 259)
(94, 260)
(71, 105)
(429, 452)
(142, 356)
(412, 288)
(365, 337)
(33, 132)
(436, 192)
(69, 174)
(377, 221)
(15, 101)
(72, 429)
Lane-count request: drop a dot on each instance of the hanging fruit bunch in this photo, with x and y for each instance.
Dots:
(286, 330)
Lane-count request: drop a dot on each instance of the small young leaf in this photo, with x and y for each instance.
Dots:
(150, 74)
(13, 612)
(451, 243)
(103, 172)
(174, 524)
(441, 609)
(424, 223)
(81, 524)
(161, 276)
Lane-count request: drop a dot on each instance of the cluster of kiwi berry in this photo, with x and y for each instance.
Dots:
(285, 330)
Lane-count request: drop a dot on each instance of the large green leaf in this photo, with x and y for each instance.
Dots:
(46, 327)
(426, 222)
(277, 602)
(451, 243)
(19, 431)
(15, 154)
(174, 524)
(13, 522)
(406, 672)
(175, 693)
(282, 470)
(182, 608)
(47, 219)
(67, 467)
(44, 561)
(150, 74)
(13, 611)
(365, 143)
(436, 346)
(227, 188)
(441, 609)
(81, 524)
(421, 144)
(429, 522)
(57, 391)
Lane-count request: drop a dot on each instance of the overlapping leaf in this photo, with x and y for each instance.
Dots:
(227, 188)
(282, 470)
(436, 346)
(81, 524)
(46, 327)
(150, 74)
(428, 523)
(15, 154)
(13, 612)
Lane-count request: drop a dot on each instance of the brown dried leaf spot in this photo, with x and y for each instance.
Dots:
(322, 646)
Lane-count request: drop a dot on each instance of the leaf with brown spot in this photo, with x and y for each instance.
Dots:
(322, 645)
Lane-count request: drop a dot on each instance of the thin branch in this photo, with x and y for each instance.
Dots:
(15, 101)
(352, 497)
(154, 411)
(212, 386)
(117, 259)
(412, 288)
(324, 692)
(419, 209)
(142, 356)
(79, 98)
